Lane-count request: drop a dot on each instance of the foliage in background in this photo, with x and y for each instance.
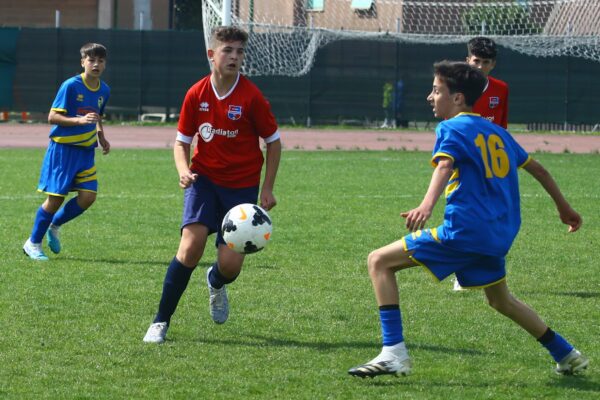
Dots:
(501, 20)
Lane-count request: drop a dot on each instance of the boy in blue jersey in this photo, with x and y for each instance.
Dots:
(476, 164)
(69, 161)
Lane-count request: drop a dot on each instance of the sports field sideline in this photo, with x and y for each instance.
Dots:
(120, 136)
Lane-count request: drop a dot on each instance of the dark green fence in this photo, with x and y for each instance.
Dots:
(150, 71)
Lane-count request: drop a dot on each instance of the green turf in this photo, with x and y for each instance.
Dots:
(303, 311)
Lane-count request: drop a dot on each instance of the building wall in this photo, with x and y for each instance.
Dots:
(102, 14)
(41, 14)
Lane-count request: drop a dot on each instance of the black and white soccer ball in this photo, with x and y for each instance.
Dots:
(246, 228)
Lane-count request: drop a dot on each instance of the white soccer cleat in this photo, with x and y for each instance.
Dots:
(53, 237)
(157, 333)
(386, 363)
(573, 363)
(219, 305)
(457, 287)
(34, 251)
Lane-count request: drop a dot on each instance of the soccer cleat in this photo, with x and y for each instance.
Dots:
(384, 364)
(156, 333)
(34, 251)
(53, 236)
(457, 287)
(219, 305)
(573, 363)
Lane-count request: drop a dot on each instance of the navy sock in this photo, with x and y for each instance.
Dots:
(216, 279)
(68, 212)
(40, 225)
(176, 280)
(391, 324)
(555, 344)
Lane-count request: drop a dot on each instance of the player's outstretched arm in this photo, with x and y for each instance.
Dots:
(566, 213)
(267, 199)
(417, 217)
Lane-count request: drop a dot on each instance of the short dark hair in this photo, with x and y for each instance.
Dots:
(483, 47)
(460, 77)
(226, 34)
(93, 50)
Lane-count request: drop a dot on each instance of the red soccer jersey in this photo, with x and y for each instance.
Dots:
(228, 150)
(493, 103)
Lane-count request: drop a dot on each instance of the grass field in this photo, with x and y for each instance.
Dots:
(303, 310)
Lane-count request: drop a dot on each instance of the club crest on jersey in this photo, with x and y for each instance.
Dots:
(494, 101)
(234, 113)
(100, 101)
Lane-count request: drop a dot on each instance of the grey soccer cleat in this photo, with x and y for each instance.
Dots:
(573, 363)
(219, 305)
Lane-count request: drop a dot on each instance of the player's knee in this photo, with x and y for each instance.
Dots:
(86, 200)
(374, 262)
(501, 304)
(189, 257)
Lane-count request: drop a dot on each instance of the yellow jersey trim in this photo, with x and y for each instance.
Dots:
(85, 139)
(438, 155)
(526, 162)
(52, 194)
(487, 285)
(88, 86)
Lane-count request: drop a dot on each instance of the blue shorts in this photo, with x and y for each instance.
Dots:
(472, 270)
(68, 168)
(206, 203)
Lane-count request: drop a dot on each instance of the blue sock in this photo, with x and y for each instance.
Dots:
(555, 344)
(40, 225)
(68, 212)
(216, 279)
(176, 280)
(391, 324)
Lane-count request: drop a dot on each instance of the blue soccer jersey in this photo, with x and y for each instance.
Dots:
(75, 98)
(482, 212)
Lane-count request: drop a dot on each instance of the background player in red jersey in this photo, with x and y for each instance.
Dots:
(229, 114)
(493, 103)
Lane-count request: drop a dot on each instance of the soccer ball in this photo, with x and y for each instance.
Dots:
(246, 228)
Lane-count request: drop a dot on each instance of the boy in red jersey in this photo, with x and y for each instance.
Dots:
(493, 103)
(229, 114)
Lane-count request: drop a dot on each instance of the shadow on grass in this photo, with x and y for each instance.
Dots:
(123, 262)
(581, 294)
(258, 340)
(578, 382)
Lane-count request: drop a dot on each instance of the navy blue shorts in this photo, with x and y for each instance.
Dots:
(206, 203)
(471, 270)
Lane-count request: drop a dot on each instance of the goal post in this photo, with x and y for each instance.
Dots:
(286, 34)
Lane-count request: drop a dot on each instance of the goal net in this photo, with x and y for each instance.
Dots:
(286, 34)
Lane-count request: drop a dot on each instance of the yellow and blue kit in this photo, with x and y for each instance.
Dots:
(482, 215)
(69, 163)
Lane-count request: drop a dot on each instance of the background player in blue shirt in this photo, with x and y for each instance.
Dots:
(476, 166)
(69, 163)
